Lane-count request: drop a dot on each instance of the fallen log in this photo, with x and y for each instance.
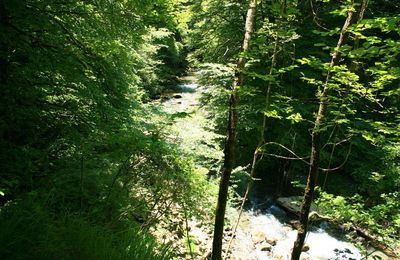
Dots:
(372, 240)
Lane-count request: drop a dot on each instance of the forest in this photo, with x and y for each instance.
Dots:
(208, 129)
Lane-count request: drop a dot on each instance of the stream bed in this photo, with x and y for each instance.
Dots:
(264, 234)
(264, 231)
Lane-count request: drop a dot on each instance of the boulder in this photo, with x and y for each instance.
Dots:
(293, 205)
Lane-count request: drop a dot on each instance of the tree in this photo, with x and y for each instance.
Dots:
(229, 150)
(76, 135)
(315, 146)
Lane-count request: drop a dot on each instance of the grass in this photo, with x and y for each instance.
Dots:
(29, 231)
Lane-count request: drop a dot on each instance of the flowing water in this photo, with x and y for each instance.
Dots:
(182, 101)
(265, 235)
(263, 232)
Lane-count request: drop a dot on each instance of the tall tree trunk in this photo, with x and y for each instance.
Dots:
(360, 17)
(229, 150)
(257, 151)
(315, 145)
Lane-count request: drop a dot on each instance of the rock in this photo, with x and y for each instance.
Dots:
(266, 247)
(177, 96)
(276, 211)
(305, 248)
(258, 237)
(291, 204)
(287, 229)
(294, 223)
(271, 241)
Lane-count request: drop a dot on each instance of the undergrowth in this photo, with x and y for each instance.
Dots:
(30, 230)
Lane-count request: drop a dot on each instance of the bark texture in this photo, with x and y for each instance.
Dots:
(229, 150)
(315, 145)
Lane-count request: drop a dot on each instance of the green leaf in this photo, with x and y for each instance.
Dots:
(295, 118)
(273, 114)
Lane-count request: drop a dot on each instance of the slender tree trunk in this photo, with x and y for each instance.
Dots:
(229, 149)
(315, 146)
(360, 17)
(261, 141)
(258, 148)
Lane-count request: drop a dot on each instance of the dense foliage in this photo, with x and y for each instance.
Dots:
(360, 133)
(88, 167)
(84, 162)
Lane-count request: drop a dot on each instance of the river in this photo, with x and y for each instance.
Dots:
(263, 232)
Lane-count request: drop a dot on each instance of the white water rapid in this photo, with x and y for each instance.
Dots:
(261, 235)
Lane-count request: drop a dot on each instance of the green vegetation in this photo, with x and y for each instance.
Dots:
(85, 166)
(360, 132)
(91, 164)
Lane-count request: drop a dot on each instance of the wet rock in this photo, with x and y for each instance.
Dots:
(271, 241)
(291, 204)
(287, 229)
(177, 96)
(277, 211)
(266, 247)
(258, 237)
(305, 248)
(294, 223)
